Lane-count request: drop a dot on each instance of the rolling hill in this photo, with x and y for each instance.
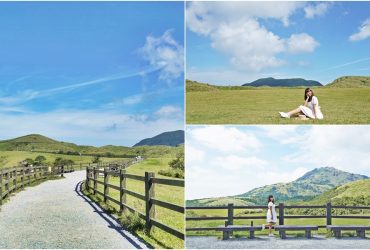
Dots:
(350, 82)
(292, 82)
(40, 143)
(305, 188)
(172, 138)
(311, 184)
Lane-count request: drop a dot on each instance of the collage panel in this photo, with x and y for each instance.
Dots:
(291, 62)
(91, 125)
(287, 187)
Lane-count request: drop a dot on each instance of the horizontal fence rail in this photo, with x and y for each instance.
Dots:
(12, 179)
(328, 214)
(149, 198)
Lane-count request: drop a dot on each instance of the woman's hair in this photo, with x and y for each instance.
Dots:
(269, 199)
(305, 94)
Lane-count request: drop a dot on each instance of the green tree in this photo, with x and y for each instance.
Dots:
(39, 160)
(178, 163)
(29, 161)
(96, 159)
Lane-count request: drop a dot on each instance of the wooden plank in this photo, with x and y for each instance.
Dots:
(351, 216)
(132, 210)
(132, 193)
(113, 186)
(98, 192)
(328, 213)
(99, 182)
(168, 205)
(322, 206)
(168, 229)
(348, 227)
(304, 216)
(169, 182)
(351, 207)
(249, 217)
(113, 200)
(201, 229)
(206, 218)
(135, 177)
(203, 208)
(296, 227)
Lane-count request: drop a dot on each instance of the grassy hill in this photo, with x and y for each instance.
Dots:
(172, 138)
(42, 144)
(305, 188)
(222, 201)
(353, 193)
(291, 82)
(350, 82)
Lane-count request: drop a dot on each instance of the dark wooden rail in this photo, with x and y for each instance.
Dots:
(149, 181)
(328, 208)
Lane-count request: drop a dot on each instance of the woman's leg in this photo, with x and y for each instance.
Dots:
(294, 112)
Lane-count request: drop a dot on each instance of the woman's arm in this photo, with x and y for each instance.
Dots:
(306, 102)
(315, 110)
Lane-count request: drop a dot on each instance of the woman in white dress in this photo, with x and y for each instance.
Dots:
(310, 108)
(271, 217)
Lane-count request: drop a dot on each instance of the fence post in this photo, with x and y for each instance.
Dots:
(1, 187)
(106, 188)
(281, 213)
(230, 216)
(149, 194)
(87, 179)
(328, 213)
(22, 177)
(95, 173)
(122, 183)
(62, 171)
(7, 181)
(15, 179)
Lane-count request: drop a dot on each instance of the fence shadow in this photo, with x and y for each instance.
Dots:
(113, 222)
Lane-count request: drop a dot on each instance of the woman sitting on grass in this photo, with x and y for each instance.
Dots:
(310, 108)
(271, 215)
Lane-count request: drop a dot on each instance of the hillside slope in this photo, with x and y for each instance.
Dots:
(291, 82)
(40, 143)
(172, 138)
(311, 184)
(350, 82)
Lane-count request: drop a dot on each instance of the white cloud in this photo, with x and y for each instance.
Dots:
(363, 32)
(166, 54)
(343, 147)
(235, 31)
(169, 110)
(224, 139)
(317, 9)
(235, 162)
(87, 127)
(248, 45)
(301, 43)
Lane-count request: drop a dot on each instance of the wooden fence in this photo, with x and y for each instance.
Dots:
(328, 214)
(149, 182)
(12, 179)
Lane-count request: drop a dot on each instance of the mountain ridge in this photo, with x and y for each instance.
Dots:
(288, 82)
(170, 138)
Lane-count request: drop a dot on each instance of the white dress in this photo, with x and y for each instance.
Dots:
(268, 215)
(309, 112)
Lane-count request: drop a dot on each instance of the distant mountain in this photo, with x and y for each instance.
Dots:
(172, 138)
(40, 143)
(305, 188)
(292, 82)
(197, 86)
(350, 82)
(313, 183)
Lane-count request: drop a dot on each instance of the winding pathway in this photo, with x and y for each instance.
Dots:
(55, 214)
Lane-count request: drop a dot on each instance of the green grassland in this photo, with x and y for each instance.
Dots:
(243, 212)
(166, 193)
(207, 104)
(12, 158)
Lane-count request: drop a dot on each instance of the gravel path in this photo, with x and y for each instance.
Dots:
(318, 242)
(54, 214)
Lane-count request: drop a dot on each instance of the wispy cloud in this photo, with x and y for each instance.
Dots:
(166, 53)
(363, 32)
(346, 64)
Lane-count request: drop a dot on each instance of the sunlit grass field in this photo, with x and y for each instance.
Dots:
(12, 158)
(261, 105)
(171, 194)
(256, 222)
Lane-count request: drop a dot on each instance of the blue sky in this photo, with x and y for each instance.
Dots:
(91, 72)
(246, 157)
(231, 43)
